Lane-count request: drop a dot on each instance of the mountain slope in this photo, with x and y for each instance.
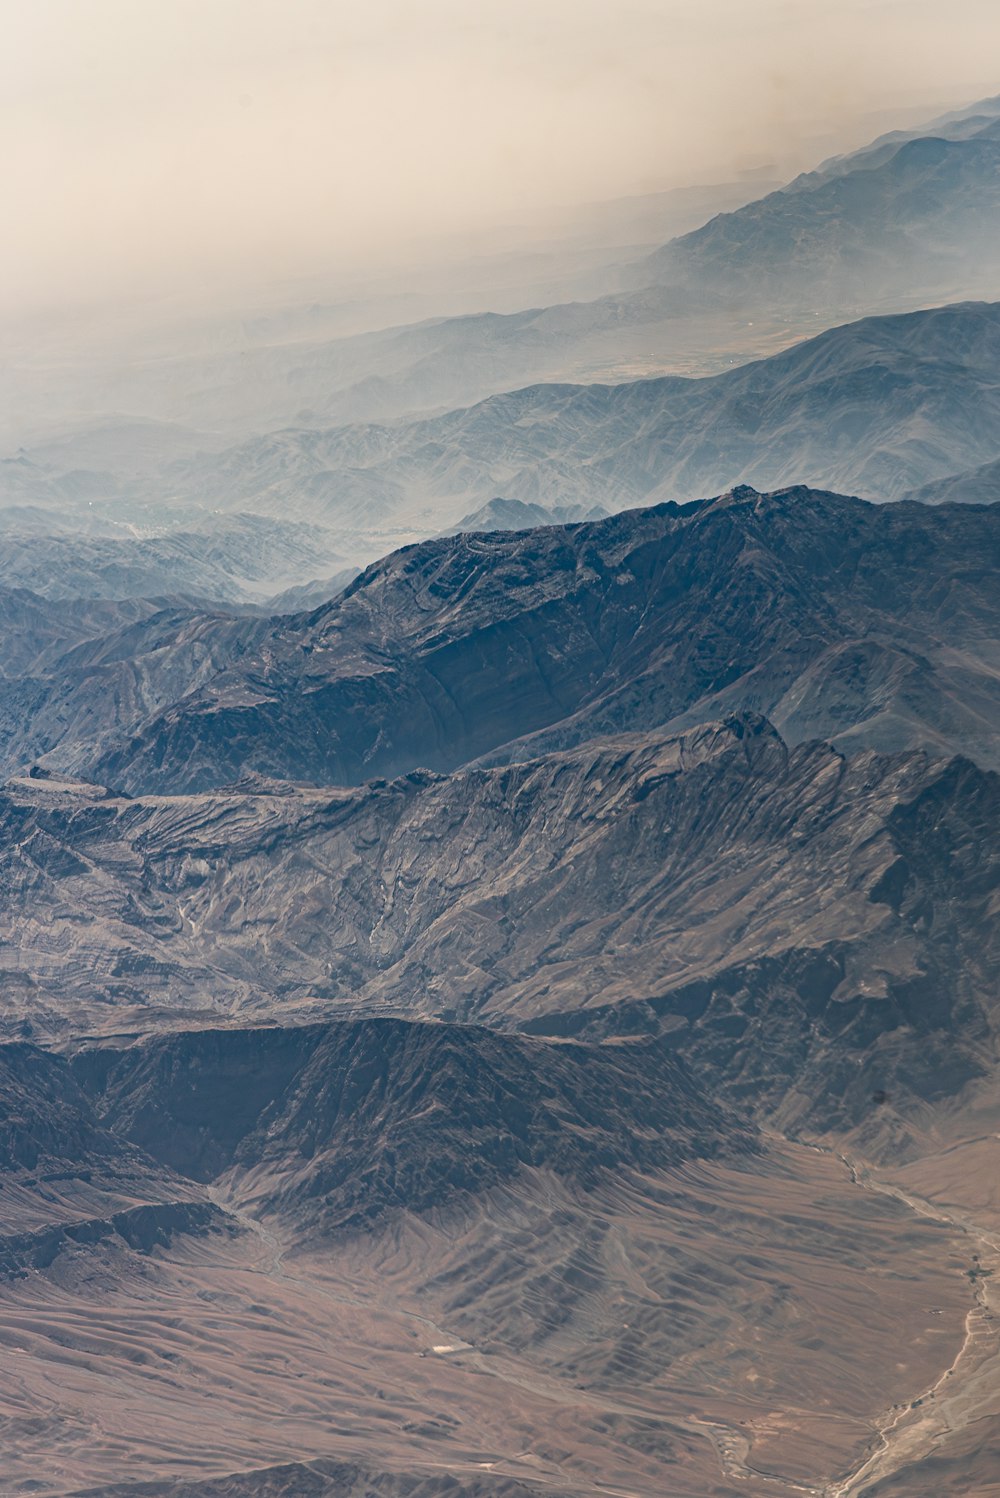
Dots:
(71, 1186)
(38, 632)
(921, 215)
(80, 670)
(340, 1124)
(810, 929)
(860, 623)
(431, 1249)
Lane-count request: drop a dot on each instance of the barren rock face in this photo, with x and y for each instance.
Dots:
(861, 624)
(813, 929)
(351, 1120)
(463, 1045)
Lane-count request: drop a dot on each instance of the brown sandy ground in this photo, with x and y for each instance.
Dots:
(715, 1329)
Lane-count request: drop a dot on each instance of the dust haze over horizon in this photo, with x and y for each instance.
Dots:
(167, 147)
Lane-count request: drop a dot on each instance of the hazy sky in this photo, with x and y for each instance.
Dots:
(146, 140)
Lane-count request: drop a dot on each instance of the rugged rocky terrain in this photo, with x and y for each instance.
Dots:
(73, 1192)
(454, 1043)
(343, 1123)
(777, 914)
(836, 619)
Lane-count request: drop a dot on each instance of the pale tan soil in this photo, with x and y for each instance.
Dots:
(945, 1441)
(717, 1329)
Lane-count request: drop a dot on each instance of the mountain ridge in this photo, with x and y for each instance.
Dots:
(666, 614)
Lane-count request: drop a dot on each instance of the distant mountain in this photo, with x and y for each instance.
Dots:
(958, 124)
(311, 595)
(76, 388)
(979, 486)
(230, 559)
(913, 217)
(885, 407)
(92, 464)
(514, 515)
(876, 407)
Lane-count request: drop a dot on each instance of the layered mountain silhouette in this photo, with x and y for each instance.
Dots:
(977, 486)
(521, 1017)
(887, 408)
(908, 222)
(878, 408)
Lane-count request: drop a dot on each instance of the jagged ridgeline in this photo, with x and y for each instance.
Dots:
(613, 837)
(856, 623)
(631, 885)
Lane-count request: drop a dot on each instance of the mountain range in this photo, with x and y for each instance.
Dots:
(499, 890)
(875, 408)
(859, 623)
(517, 1090)
(904, 223)
(884, 408)
(602, 890)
